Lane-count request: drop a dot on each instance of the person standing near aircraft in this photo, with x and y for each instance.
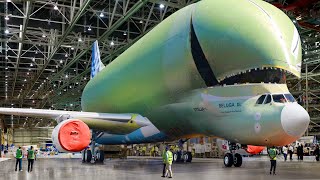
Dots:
(169, 159)
(285, 152)
(316, 152)
(164, 162)
(19, 158)
(30, 158)
(272, 152)
(290, 151)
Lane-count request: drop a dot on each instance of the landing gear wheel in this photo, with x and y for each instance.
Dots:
(84, 156)
(100, 156)
(228, 160)
(88, 156)
(237, 161)
(179, 157)
(175, 157)
(189, 159)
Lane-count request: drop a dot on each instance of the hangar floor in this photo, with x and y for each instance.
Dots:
(142, 168)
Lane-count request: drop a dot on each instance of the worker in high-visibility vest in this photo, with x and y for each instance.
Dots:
(19, 158)
(164, 161)
(30, 158)
(272, 152)
(169, 159)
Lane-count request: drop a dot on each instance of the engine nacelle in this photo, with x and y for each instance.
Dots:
(71, 135)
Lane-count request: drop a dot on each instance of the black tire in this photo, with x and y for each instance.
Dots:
(84, 156)
(88, 156)
(237, 161)
(175, 157)
(180, 157)
(101, 156)
(189, 159)
(228, 160)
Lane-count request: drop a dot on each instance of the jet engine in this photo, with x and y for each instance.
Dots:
(71, 135)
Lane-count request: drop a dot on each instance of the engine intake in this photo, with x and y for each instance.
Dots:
(71, 135)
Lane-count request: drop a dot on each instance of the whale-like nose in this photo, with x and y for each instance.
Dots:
(294, 119)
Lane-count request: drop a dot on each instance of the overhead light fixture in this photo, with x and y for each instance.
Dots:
(6, 18)
(29, 69)
(57, 66)
(32, 101)
(112, 43)
(125, 33)
(85, 78)
(140, 21)
(6, 68)
(161, 6)
(36, 52)
(67, 76)
(25, 80)
(43, 35)
(101, 14)
(31, 65)
(72, 48)
(61, 61)
(66, 55)
(70, 87)
(55, 6)
(89, 28)
(80, 40)
(33, 59)
(8, 0)
(28, 73)
(6, 76)
(6, 31)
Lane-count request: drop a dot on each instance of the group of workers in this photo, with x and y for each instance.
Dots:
(31, 156)
(272, 153)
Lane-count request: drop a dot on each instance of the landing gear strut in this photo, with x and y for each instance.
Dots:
(94, 155)
(180, 155)
(232, 158)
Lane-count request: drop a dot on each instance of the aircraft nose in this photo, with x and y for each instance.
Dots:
(294, 119)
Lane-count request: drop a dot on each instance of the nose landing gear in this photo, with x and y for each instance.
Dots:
(232, 158)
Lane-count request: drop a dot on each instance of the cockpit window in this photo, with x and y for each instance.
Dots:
(290, 98)
(268, 99)
(261, 99)
(279, 98)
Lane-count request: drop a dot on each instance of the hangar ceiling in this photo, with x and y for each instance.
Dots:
(45, 48)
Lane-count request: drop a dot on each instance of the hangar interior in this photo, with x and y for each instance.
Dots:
(45, 51)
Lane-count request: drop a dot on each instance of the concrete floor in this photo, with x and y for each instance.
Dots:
(145, 169)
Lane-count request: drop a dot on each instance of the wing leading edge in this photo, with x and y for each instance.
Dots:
(109, 122)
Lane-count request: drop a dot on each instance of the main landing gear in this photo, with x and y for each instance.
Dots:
(95, 156)
(232, 158)
(179, 155)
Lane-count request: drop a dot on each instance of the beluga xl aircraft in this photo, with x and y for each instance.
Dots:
(201, 71)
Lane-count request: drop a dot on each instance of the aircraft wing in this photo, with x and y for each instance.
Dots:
(109, 122)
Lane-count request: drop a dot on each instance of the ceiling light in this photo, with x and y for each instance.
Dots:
(11, 104)
(6, 18)
(29, 69)
(77, 83)
(57, 66)
(36, 52)
(8, 0)
(80, 40)
(22, 84)
(55, 7)
(71, 104)
(61, 61)
(125, 33)
(112, 43)
(6, 76)
(31, 64)
(85, 78)
(161, 6)
(33, 59)
(67, 76)
(66, 55)
(28, 73)
(101, 14)
(72, 48)
(25, 80)
(33, 101)
(6, 68)
(140, 21)
(43, 35)
(70, 87)
(6, 31)
(89, 29)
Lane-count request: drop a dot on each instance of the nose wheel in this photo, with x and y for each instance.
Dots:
(230, 159)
